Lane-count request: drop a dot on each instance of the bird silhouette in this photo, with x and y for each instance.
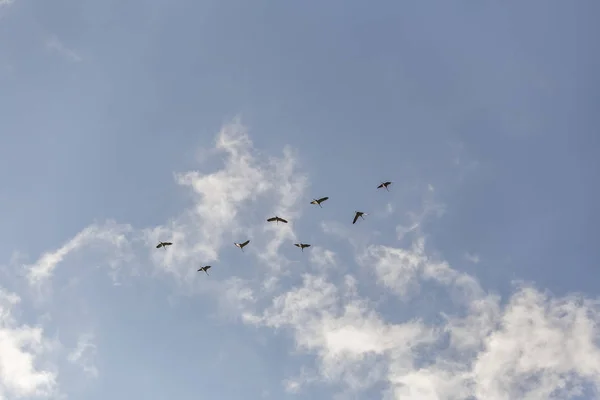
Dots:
(302, 245)
(358, 214)
(319, 201)
(385, 185)
(277, 220)
(241, 245)
(205, 269)
(163, 245)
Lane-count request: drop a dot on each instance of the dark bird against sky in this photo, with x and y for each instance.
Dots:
(277, 220)
(319, 201)
(241, 245)
(302, 245)
(385, 185)
(358, 214)
(163, 245)
(205, 269)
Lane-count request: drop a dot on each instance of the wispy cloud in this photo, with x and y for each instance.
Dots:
(534, 347)
(111, 235)
(233, 204)
(83, 355)
(414, 325)
(54, 44)
(474, 258)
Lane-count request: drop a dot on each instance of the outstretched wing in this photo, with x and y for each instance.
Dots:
(380, 186)
(297, 244)
(245, 243)
(167, 243)
(322, 199)
(272, 219)
(306, 245)
(158, 246)
(283, 220)
(207, 267)
(355, 218)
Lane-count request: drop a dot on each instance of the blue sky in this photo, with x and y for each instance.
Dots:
(475, 277)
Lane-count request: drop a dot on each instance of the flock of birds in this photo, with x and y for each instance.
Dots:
(277, 220)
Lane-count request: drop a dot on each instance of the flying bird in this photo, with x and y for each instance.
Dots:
(384, 185)
(205, 269)
(163, 245)
(358, 214)
(302, 245)
(319, 201)
(277, 220)
(241, 245)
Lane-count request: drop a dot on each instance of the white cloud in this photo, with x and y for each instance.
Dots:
(367, 334)
(430, 206)
(54, 44)
(474, 258)
(322, 258)
(83, 354)
(21, 351)
(110, 236)
(535, 347)
(348, 337)
(232, 204)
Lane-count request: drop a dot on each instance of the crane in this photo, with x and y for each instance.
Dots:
(302, 245)
(358, 214)
(163, 245)
(385, 185)
(241, 245)
(319, 201)
(277, 220)
(205, 269)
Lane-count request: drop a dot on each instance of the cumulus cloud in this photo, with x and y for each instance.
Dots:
(394, 318)
(534, 347)
(229, 204)
(322, 258)
(22, 349)
(232, 204)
